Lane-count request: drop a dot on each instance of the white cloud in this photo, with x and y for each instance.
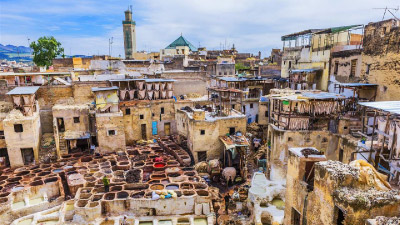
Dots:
(252, 25)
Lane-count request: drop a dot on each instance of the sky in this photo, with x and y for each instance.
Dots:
(85, 26)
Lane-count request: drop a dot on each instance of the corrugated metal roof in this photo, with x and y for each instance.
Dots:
(94, 89)
(356, 84)
(23, 90)
(387, 106)
(306, 70)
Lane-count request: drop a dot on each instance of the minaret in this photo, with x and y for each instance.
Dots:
(129, 34)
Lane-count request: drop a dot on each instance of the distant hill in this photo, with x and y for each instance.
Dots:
(17, 53)
(22, 53)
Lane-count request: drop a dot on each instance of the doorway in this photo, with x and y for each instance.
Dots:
(167, 129)
(4, 154)
(143, 129)
(27, 155)
(340, 216)
(60, 124)
(295, 217)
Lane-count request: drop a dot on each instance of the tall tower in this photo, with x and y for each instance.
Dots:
(129, 34)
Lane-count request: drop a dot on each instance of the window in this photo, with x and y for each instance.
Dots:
(162, 110)
(233, 106)
(324, 140)
(224, 73)
(111, 132)
(290, 64)
(127, 111)
(335, 71)
(76, 120)
(232, 130)
(220, 73)
(141, 116)
(202, 132)
(341, 155)
(290, 139)
(1, 134)
(353, 67)
(18, 128)
(309, 175)
(251, 105)
(266, 113)
(201, 156)
(368, 68)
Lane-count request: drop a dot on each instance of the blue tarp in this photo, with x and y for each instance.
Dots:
(154, 127)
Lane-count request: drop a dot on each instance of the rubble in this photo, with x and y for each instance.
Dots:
(359, 198)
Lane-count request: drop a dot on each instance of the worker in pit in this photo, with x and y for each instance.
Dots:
(262, 162)
(106, 183)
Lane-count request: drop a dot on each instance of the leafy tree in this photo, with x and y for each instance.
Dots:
(45, 49)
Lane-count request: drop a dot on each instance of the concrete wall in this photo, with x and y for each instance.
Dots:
(187, 82)
(29, 138)
(209, 142)
(106, 122)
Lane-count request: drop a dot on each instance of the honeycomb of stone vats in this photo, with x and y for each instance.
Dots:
(134, 175)
(32, 189)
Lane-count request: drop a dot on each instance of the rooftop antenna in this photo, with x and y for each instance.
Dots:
(130, 7)
(388, 9)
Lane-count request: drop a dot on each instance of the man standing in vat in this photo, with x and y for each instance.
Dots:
(106, 183)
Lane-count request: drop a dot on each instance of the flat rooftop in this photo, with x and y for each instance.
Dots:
(24, 90)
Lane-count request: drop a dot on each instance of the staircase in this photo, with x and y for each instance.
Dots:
(63, 146)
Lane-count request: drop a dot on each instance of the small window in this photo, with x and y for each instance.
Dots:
(76, 120)
(202, 132)
(336, 68)
(152, 114)
(290, 139)
(141, 116)
(324, 140)
(162, 110)
(202, 156)
(127, 111)
(251, 105)
(220, 73)
(18, 128)
(266, 113)
(368, 68)
(111, 132)
(233, 106)
(1, 134)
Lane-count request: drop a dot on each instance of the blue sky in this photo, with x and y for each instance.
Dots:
(84, 26)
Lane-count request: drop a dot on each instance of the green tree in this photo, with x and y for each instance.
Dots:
(45, 49)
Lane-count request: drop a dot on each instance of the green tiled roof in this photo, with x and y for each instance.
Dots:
(181, 41)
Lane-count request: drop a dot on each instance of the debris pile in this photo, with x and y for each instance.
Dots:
(359, 198)
(339, 170)
(381, 220)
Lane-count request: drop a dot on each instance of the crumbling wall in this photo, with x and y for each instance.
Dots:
(344, 58)
(381, 58)
(82, 91)
(48, 96)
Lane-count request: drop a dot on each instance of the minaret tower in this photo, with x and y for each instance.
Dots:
(129, 27)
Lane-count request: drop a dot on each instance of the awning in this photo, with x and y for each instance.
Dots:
(306, 70)
(73, 135)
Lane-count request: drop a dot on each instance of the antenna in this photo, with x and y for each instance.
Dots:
(130, 7)
(388, 9)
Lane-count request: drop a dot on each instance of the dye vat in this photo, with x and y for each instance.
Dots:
(145, 223)
(18, 205)
(200, 221)
(36, 201)
(165, 222)
(49, 222)
(172, 187)
(279, 203)
(25, 222)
